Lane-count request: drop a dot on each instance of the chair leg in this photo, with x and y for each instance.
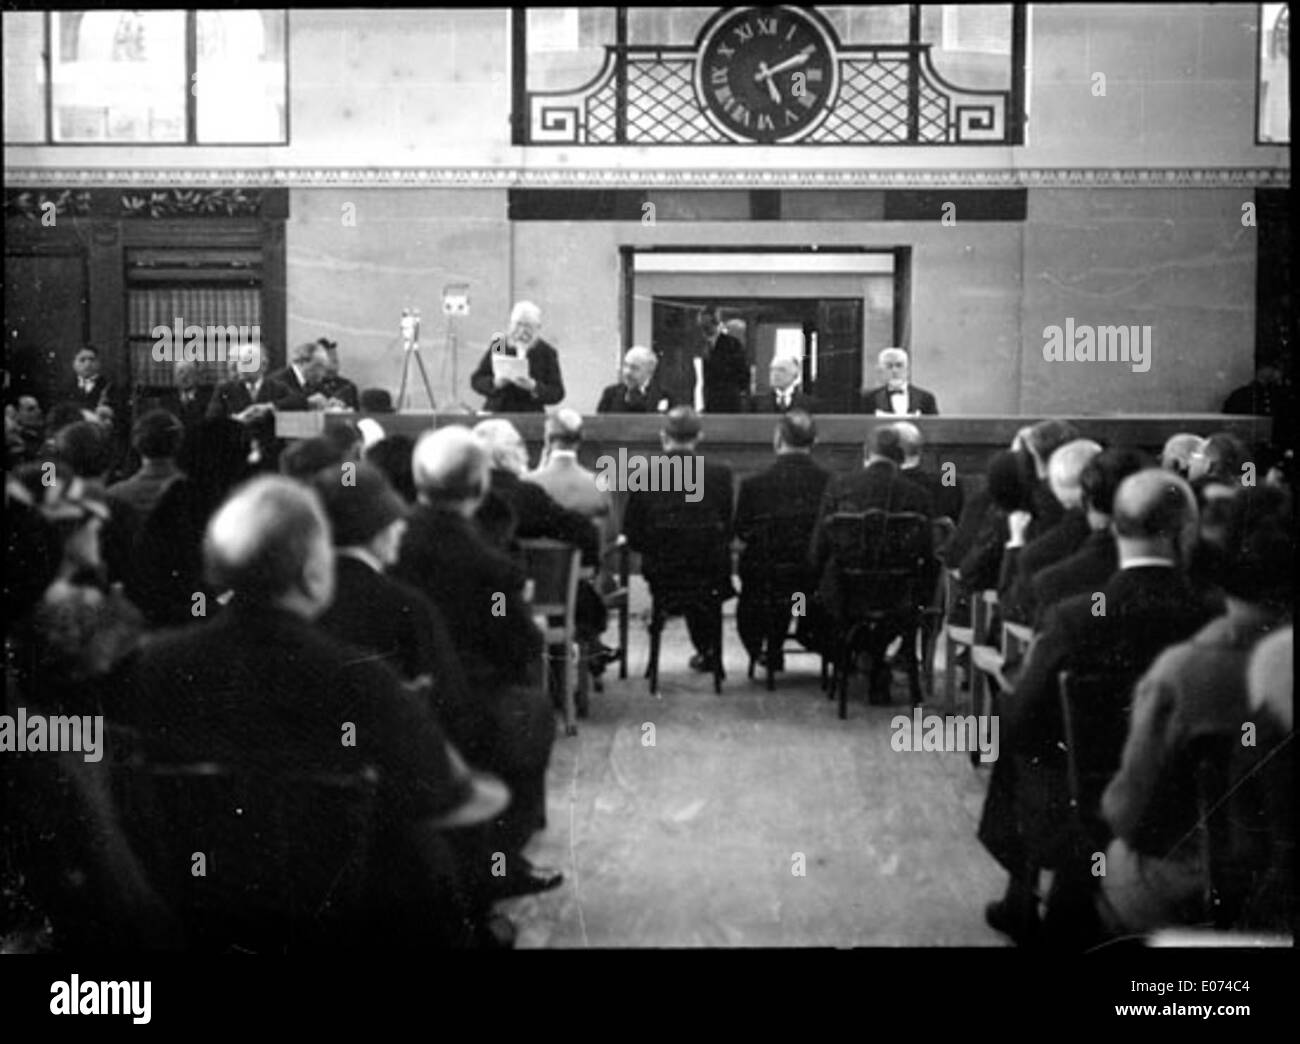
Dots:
(652, 669)
(585, 682)
(568, 680)
(949, 670)
(622, 642)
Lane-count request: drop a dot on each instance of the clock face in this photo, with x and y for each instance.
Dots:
(766, 74)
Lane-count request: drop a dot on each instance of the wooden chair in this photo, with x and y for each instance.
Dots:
(1095, 721)
(690, 562)
(1211, 755)
(616, 599)
(934, 613)
(957, 636)
(881, 559)
(554, 568)
(288, 854)
(781, 541)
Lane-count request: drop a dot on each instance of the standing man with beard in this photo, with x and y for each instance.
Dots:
(542, 385)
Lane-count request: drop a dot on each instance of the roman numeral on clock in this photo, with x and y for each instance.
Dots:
(718, 75)
(745, 31)
(765, 122)
(767, 26)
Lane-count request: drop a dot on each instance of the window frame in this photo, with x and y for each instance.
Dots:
(191, 103)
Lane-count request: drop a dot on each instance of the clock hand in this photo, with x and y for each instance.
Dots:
(771, 84)
(795, 59)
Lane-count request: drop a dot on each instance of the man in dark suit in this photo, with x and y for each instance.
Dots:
(1097, 558)
(260, 686)
(781, 502)
(304, 378)
(786, 390)
(947, 495)
(879, 484)
(694, 571)
(1147, 605)
(337, 389)
(250, 398)
(638, 392)
(543, 386)
(187, 399)
(725, 367)
(479, 592)
(89, 388)
(1022, 558)
(897, 395)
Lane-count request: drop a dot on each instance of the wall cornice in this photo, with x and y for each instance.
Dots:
(499, 177)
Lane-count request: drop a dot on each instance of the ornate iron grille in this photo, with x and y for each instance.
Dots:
(888, 95)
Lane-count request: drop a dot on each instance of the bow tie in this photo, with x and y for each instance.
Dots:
(87, 385)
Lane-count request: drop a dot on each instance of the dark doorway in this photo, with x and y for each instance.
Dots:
(825, 332)
(46, 321)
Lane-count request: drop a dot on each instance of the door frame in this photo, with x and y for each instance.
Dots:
(902, 255)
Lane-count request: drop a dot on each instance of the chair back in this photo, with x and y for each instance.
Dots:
(1210, 755)
(1095, 721)
(554, 568)
(692, 551)
(882, 559)
(254, 857)
(780, 543)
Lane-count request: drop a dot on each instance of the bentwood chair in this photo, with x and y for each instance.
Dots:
(554, 568)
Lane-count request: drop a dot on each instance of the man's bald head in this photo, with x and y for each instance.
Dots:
(912, 441)
(796, 431)
(1066, 467)
(270, 542)
(449, 465)
(1155, 514)
(1178, 451)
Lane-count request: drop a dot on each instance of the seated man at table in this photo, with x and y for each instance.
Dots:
(691, 571)
(639, 391)
(785, 393)
(897, 395)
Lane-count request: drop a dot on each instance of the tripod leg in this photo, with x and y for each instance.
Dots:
(406, 368)
(424, 375)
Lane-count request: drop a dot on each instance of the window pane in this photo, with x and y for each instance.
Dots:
(119, 76)
(240, 76)
(869, 24)
(566, 45)
(24, 34)
(972, 43)
(1275, 73)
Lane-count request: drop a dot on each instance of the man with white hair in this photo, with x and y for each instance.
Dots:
(785, 389)
(259, 687)
(503, 386)
(187, 398)
(897, 396)
(518, 510)
(1178, 452)
(479, 591)
(639, 391)
(1023, 557)
(247, 386)
(309, 365)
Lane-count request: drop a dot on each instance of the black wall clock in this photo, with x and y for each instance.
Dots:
(766, 74)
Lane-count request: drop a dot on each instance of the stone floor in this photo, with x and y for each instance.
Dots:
(683, 821)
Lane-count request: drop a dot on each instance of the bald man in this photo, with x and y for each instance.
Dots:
(480, 592)
(639, 391)
(258, 687)
(897, 395)
(1145, 607)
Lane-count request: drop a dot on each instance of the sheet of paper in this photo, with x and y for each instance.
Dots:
(509, 366)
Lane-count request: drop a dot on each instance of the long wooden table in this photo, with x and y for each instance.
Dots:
(745, 440)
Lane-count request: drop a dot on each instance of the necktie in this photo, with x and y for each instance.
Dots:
(783, 400)
(636, 397)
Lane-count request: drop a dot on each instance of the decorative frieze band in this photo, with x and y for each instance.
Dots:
(178, 178)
